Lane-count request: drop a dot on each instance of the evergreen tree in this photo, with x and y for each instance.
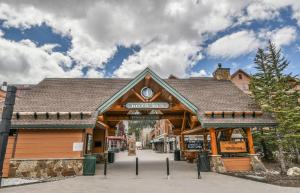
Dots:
(135, 126)
(271, 89)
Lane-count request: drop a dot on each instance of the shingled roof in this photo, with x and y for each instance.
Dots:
(86, 95)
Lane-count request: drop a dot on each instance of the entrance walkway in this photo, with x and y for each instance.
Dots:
(151, 165)
(121, 179)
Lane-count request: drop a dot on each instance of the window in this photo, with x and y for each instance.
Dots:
(98, 144)
(240, 76)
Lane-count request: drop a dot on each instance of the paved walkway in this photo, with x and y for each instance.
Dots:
(152, 179)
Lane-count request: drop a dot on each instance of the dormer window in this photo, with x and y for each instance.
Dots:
(240, 76)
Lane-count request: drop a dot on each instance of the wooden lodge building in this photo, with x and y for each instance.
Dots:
(59, 120)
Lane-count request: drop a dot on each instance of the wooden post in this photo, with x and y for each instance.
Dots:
(205, 142)
(181, 135)
(213, 141)
(250, 141)
(181, 142)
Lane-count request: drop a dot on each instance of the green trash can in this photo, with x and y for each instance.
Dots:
(110, 156)
(177, 155)
(204, 161)
(89, 165)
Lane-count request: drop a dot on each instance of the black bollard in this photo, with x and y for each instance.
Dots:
(105, 167)
(198, 166)
(137, 166)
(168, 167)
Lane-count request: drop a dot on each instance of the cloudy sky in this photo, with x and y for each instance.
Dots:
(94, 38)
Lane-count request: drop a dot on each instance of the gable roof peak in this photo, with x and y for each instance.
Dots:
(104, 106)
(240, 71)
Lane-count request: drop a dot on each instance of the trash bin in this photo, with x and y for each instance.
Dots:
(89, 165)
(204, 161)
(110, 156)
(177, 155)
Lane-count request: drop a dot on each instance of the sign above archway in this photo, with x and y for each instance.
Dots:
(153, 105)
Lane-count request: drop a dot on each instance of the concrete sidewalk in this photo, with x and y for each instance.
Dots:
(152, 178)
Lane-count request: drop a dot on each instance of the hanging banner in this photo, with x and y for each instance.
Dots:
(154, 105)
(233, 146)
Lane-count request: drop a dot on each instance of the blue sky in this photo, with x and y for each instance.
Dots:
(39, 41)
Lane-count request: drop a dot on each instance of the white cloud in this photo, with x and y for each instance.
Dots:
(49, 47)
(93, 73)
(200, 73)
(25, 62)
(234, 45)
(258, 10)
(170, 33)
(159, 27)
(284, 36)
(280, 36)
(244, 42)
(165, 59)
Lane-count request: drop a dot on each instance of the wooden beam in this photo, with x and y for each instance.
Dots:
(183, 121)
(138, 95)
(194, 121)
(155, 96)
(176, 131)
(213, 141)
(125, 97)
(192, 131)
(115, 118)
(250, 141)
(182, 135)
(103, 124)
(101, 118)
(147, 80)
(229, 134)
(205, 144)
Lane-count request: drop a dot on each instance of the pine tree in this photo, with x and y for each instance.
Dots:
(271, 89)
(135, 126)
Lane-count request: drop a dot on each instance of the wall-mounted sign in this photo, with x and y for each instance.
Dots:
(78, 146)
(144, 117)
(154, 105)
(233, 146)
(147, 93)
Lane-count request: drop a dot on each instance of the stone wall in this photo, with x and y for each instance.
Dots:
(256, 163)
(45, 168)
(216, 164)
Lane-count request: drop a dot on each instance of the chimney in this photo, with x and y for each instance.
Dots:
(222, 73)
(4, 86)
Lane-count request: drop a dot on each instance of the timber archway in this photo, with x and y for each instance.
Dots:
(162, 102)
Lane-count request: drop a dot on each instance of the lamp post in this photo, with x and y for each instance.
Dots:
(5, 124)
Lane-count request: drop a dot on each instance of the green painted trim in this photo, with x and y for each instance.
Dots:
(231, 125)
(57, 126)
(102, 108)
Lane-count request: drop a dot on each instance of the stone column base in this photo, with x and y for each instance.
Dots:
(45, 168)
(256, 163)
(216, 164)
